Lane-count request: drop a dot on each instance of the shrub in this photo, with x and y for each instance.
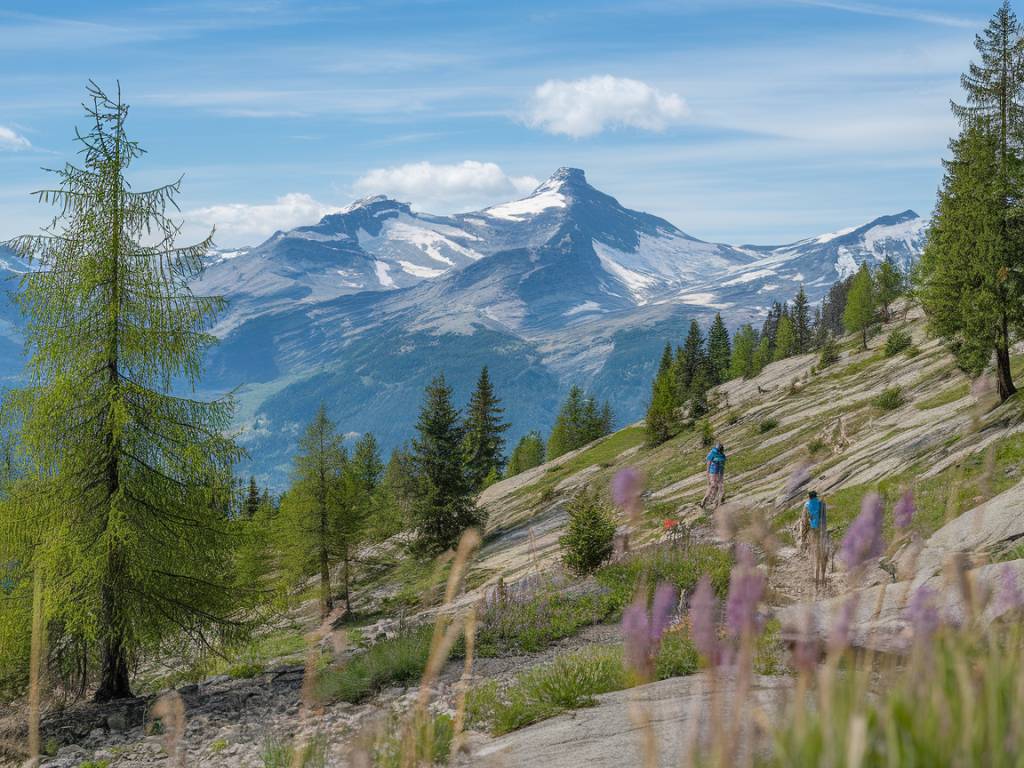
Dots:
(890, 399)
(815, 446)
(829, 353)
(281, 754)
(767, 425)
(245, 671)
(218, 745)
(898, 341)
(427, 742)
(399, 660)
(707, 433)
(589, 535)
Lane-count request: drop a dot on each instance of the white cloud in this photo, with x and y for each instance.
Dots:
(585, 107)
(11, 140)
(446, 187)
(244, 224)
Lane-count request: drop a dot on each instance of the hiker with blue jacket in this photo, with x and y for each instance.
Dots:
(814, 521)
(716, 475)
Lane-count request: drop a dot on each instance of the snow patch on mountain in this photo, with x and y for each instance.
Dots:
(538, 202)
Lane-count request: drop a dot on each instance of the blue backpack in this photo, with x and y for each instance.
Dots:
(815, 512)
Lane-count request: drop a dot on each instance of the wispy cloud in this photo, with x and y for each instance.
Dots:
(894, 12)
(246, 224)
(11, 139)
(445, 187)
(588, 106)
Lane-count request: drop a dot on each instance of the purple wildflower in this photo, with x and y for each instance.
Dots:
(842, 624)
(746, 586)
(627, 485)
(1009, 598)
(922, 613)
(863, 539)
(703, 607)
(642, 630)
(903, 511)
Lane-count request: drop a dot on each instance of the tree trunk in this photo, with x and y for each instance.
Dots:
(1004, 377)
(345, 575)
(114, 682)
(326, 603)
(864, 339)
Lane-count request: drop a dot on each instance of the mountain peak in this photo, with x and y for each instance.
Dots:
(564, 178)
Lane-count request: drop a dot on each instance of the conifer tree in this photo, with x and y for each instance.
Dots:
(803, 331)
(888, 286)
(252, 499)
(785, 338)
(444, 507)
(315, 511)
(665, 364)
(606, 423)
(396, 494)
(763, 354)
(134, 552)
(528, 453)
(484, 444)
(719, 351)
(660, 420)
(362, 477)
(566, 433)
(744, 349)
(859, 314)
(694, 356)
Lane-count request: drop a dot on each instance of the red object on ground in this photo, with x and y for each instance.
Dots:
(670, 524)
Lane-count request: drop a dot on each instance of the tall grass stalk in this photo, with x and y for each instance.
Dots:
(35, 667)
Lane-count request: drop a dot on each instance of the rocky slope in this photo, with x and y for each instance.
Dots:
(792, 428)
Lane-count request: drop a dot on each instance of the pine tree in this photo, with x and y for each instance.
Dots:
(785, 338)
(771, 325)
(444, 507)
(763, 354)
(965, 275)
(694, 357)
(744, 348)
(133, 550)
(606, 423)
(888, 286)
(252, 499)
(396, 493)
(833, 307)
(566, 434)
(362, 477)
(803, 331)
(484, 444)
(315, 511)
(859, 314)
(661, 421)
(719, 351)
(665, 364)
(528, 453)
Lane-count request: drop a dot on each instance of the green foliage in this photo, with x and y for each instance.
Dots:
(396, 494)
(426, 741)
(719, 351)
(767, 425)
(580, 421)
(133, 545)
(95, 764)
(484, 443)
(707, 433)
(445, 507)
(859, 314)
(528, 453)
(829, 352)
(889, 284)
(400, 660)
(898, 341)
(763, 354)
(589, 534)
(317, 527)
(802, 329)
(890, 399)
(744, 353)
(278, 753)
(570, 682)
(218, 745)
(662, 420)
(945, 397)
(680, 567)
(785, 339)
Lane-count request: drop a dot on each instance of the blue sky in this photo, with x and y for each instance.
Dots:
(758, 121)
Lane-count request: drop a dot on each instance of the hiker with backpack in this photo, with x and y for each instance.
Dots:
(814, 524)
(715, 461)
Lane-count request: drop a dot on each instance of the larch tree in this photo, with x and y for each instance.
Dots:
(785, 338)
(314, 512)
(528, 453)
(485, 429)
(859, 314)
(363, 474)
(444, 507)
(661, 421)
(719, 351)
(744, 349)
(888, 286)
(566, 434)
(134, 552)
(252, 498)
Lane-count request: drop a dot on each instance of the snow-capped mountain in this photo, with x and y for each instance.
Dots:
(564, 286)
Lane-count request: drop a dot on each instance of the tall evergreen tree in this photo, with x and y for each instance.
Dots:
(362, 477)
(785, 338)
(665, 364)
(566, 434)
(134, 552)
(444, 507)
(763, 354)
(719, 351)
(859, 314)
(771, 324)
(833, 307)
(315, 511)
(888, 286)
(396, 493)
(528, 453)
(964, 278)
(694, 357)
(661, 421)
(803, 330)
(252, 499)
(484, 444)
(744, 348)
